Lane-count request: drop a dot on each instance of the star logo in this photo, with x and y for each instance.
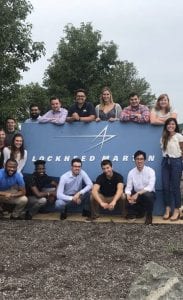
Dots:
(98, 140)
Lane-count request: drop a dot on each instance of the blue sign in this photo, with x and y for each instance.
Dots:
(93, 142)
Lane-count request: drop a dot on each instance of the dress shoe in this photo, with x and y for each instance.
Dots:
(86, 213)
(63, 214)
(148, 220)
(28, 216)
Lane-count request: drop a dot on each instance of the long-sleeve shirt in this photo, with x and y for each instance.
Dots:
(21, 161)
(140, 180)
(70, 184)
(128, 114)
(58, 117)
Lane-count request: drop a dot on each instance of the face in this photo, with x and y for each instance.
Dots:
(140, 161)
(171, 126)
(107, 170)
(34, 112)
(18, 142)
(106, 96)
(164, 102)
(134, 101)
(40, 170)
(11, 168)
(2, 135)
(55, 105)
(10, 125)
(76, 168)
(80, 98)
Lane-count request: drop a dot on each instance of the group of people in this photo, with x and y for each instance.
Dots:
(108, 190)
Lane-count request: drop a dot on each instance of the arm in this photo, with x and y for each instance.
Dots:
(60, 190)
(6, 153)
(22, 162)
(156, 120)
(9, 195)
(61, 117)
(87, 119)
(125, 115)
(95, 194)
(143, 116)
(181, 147)
(117, 196)
(88, 183)
(46, 117)
(39, 194)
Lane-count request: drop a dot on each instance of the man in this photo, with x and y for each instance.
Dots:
(40, 189)
(10, 130)
(107, 190)
(140, 189)
(81, 110)
(57, 115)
(74, 186)
(12, 189)
(34, 114)
(2, 145)
(135, 112)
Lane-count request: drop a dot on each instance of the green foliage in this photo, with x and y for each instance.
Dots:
(82, 60)
(16, 50)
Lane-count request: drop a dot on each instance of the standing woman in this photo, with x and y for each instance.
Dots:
(172, 148)
(162, 111)
(16, 151)
(107, 110)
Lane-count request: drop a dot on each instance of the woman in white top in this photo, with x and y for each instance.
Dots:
(162, 111)
(16, 151)
(172, 150)
(107, 110)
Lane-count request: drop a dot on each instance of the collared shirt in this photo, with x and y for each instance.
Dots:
(69, 185)
(58, 117)
(7, 182)
(30, 120)
(85, 111)
(140, 180)
(128, 114)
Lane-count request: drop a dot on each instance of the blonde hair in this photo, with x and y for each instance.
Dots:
(158, 107)
(101, 95)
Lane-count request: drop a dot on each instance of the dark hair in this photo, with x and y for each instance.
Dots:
(55, 98)
(39, 162)
(33, 105)
(166, 134)
(132, 94)
(139, 152)
(106, 162)
(2, 129)
(10, 118)
(80, 90)
(11, 159)
(13, 148)
(77, 159)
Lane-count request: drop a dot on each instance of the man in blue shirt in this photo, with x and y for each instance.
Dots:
(74, 186)
(12, 189)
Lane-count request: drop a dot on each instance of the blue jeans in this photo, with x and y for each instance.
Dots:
(171, 177)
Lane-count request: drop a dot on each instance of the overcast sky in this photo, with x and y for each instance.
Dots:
(147, 32)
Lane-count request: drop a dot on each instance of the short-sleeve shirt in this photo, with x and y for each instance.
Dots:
(7, 182)
(108, 187)
(85, 111)
(39, 181)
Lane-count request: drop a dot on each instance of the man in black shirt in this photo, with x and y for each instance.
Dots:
(40, 189)
(81, 110)
(107, 190)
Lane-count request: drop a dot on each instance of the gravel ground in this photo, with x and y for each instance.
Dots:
(74, 260)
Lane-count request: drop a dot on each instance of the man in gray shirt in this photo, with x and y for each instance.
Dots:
(74, 186)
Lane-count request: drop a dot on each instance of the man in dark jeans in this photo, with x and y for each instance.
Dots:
(140, 189)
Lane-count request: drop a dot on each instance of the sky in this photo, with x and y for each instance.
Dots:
(147, 33)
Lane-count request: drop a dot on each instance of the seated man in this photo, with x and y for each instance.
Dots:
(140, 189)
(107, 190)
(81, 110)
(12, 189)
(70, 189)
(40, 189)
(135, 112)
(34, 114)
(57, 115)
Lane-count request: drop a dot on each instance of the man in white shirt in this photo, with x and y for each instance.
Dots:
(140, 188)
(74, 186)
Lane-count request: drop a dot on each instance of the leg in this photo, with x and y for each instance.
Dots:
(20, 203)
(166, 173)
(176, 173)
(146, 200)
(34, 204)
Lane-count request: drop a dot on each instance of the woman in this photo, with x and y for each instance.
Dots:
(162, 111)
(172, 149)
(107, 110)
(16, 151)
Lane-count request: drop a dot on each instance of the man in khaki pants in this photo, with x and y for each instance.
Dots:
(12, 190)
(107, 190)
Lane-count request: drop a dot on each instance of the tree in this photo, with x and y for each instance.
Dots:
(16, 50)
(82, 60)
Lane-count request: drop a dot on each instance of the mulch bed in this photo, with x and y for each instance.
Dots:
(74, 260)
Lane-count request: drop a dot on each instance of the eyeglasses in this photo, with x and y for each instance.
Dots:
(76, 166)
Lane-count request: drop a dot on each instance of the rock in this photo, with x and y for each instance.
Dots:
(155, 283)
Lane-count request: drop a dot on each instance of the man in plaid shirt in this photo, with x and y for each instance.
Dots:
(135, 112)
